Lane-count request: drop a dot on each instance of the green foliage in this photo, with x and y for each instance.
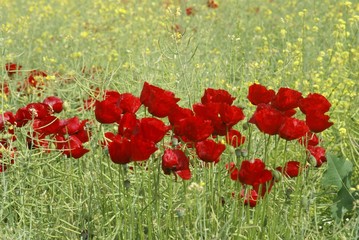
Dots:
(338, 174)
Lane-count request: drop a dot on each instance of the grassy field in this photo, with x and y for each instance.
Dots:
(84, 48)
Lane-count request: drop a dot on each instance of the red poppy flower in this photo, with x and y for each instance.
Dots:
(83, 134)
(177, 28)
(153, 129)
(230, 115)
(310, 139)
(120, 150)
(89, 103)
(3, 167)
(129, 103)
(39, 110)
(289, 113)
(314, 102)
(141, 149)
(317, 121)
(293, 128)
(4, 89)
(55, 103)
(128, 125)
(318, 153)
(175, 161)
(179, 113)
(46, 125)
(189, 11)
(212, 4)
(22, 116)
(267, 119)
(211, 112)
(260, 94)
(194, 128)
(37, 140)
(71, 125)
(250, 197)
(233, 171)
(108, 137)
(12, 68)
(286, 99)
(235, 138)
(209, 150)
(216, 96)
(159, 102)
(35, 78)
(6, 118)
(108, 110)
(254, 173)
(291, 169)
(71, 147)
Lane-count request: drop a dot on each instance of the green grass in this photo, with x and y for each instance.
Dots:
(311, 46)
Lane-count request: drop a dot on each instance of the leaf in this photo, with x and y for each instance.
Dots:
(343, 202)
(338, 174)
(337, 171)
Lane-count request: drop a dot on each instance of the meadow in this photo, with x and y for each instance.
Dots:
(179, 119)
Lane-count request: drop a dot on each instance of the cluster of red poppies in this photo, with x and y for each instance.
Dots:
(34, 78)
(44, 129)
(192, 132)
(274, 115)
(200, 132)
